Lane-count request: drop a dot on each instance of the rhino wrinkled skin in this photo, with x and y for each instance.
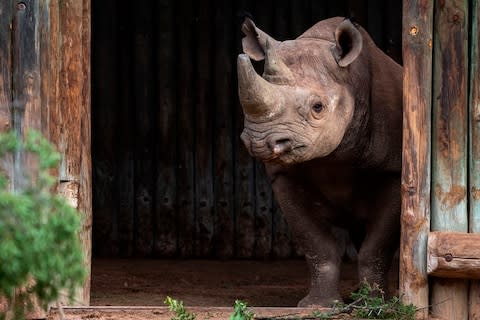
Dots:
(326, 119)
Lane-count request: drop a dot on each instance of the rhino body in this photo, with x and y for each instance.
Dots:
(326, 119)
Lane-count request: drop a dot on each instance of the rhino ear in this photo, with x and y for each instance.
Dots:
(255, 40)
(349, 43)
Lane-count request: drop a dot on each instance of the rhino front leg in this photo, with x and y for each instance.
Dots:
(382, 235)
(314, 235)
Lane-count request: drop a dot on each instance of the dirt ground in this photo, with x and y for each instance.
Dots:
(207, 287)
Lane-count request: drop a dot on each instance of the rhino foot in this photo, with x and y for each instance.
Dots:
(315, 300)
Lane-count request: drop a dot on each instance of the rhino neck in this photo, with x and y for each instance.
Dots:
(373, 140)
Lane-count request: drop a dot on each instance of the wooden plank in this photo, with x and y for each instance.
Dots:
(417, 97)
(105, 104)
(6, 8)
(474, 154)
(453, 255)
(66, 71)
(393, 30)
(185, 127)
(375, 24)
(204, 197)
(263, 190)
(143, 101)
(125, 134)
(223, 142)
(244, 172)
(449, 144)
(165, 242)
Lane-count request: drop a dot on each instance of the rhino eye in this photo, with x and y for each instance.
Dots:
(317, 107)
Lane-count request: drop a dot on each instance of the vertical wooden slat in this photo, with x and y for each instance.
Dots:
(474, 154)
(6, 9)
(185, 128)
(69, 115)
(244, 173)
(263, 190)
(223, 139)
(449, 145)
(417, 94)
(125, 131)
(281, 241)
(105, 104)
(85, 192)
(375, 21)
(204, 222)
(143, 101)
(165, 209)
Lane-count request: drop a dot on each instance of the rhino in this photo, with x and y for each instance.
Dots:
(325, 118)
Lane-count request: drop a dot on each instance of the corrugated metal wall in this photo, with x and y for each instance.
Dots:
(170, 175)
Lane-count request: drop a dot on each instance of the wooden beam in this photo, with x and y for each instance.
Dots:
(453, 255)
(415, 218)
(474, 174)
(449, 143)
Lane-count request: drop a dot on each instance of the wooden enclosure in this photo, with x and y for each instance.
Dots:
(170, 174)
(440, 212)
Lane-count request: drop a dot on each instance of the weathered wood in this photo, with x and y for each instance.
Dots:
(417, 95)
(244, 172)
(125, 134)
(143, 101)
(185, 128)
(104, 111)
(68, 83)
(223, 141)
(204, 197)
(449, 143)
(453, 255)
(263, 190)
(165, 243)
(474, 154)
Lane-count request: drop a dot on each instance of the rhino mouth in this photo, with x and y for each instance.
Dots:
(287, 155)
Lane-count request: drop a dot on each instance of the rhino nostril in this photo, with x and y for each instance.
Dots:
(281, 146)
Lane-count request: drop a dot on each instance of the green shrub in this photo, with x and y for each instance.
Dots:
(40, 252)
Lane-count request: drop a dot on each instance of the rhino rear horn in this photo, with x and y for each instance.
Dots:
(276, 70)
(255, 41)
(349, 43)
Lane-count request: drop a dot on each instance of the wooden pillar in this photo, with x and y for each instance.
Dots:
(417, 57)
(449, 297)
(69, 114)
(474, 174)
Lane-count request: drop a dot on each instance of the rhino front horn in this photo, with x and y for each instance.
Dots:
(276, 70)
(258, 97)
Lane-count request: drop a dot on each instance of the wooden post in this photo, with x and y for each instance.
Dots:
(474, 174)
(69, 113)
(449, 298)
(415, 218)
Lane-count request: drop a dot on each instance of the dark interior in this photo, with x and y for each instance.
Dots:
(171, 178)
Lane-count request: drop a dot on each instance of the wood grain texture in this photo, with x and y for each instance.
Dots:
(244, 172)
(453, 255)
(449, 143)
(123, 113)
(223, 140)
(417, 95)
(474, 154)
(68, 83)
(165, 240)
(143, 44)
(104, 109)
(185, 128)
(204, 197)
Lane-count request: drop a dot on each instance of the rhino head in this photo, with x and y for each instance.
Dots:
(303, 105)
